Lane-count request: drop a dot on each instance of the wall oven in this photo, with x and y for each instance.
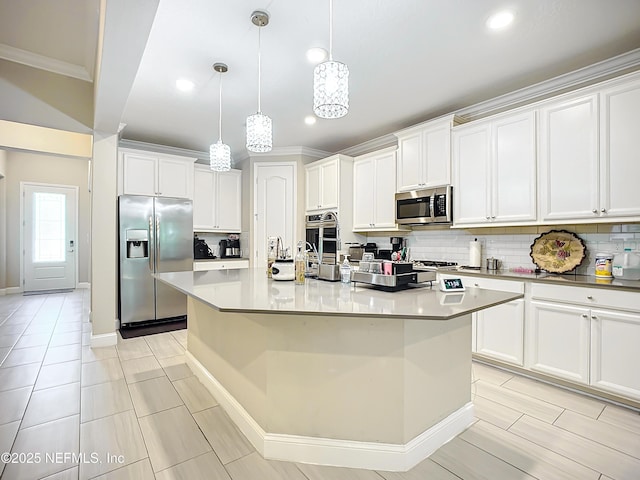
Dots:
(424, 207)
(329, 244)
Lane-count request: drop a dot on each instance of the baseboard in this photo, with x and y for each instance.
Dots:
(84, 285)
(327, 451)
(104, 340)
(10, 291)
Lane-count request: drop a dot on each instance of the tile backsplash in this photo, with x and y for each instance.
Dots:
(511, 245)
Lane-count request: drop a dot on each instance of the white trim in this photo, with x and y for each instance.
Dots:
(44, 63)
(388, 140)
(328, 451)
(286, 151)
(104, 340)
(13, 290)
(165, 149)
(84, 285)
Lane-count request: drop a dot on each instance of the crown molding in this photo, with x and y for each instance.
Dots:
(42, 62)
(388, 140)
(583, 77)
(154, 147)
(313, 153)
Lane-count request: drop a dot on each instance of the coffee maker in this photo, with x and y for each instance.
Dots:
(230, 248)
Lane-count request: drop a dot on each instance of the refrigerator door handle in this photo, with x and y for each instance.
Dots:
(151, 244)
(157, 239)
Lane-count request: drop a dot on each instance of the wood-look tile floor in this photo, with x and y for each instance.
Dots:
(135, 411)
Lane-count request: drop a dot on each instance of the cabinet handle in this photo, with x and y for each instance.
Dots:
(584, 315)
(589, 297)
(604, 210)
(593, 317)
(595, 210)
(493, 216)
(475, 285)
(487, 217)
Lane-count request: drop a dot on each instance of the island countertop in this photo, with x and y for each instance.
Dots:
(250, 291)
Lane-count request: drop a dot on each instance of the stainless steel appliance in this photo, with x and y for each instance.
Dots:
(230, 248)
(155, 235)
(322, 235)
(423, 207)
(200, 249)
(400, 275)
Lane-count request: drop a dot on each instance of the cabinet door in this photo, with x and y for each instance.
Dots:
(569, 159)
(384, 191)
(437, 146)
(410, 170)
(203, 202)
(329, 183)
(140, 174)
(175, 178)
(363, 194)
(499, 332)
(228, 195)
(513, 169)
(558, 338)
(312, 188)
(620, 144)
(615, 355)
(471, 149)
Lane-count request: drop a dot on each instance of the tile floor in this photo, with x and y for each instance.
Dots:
(135, 411)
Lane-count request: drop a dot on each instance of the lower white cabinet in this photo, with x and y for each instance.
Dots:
(615, 352)
(220, 265)
(558, 340)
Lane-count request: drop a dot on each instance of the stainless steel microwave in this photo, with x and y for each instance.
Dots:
(424, 207)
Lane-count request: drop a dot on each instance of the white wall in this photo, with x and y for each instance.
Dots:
(43, 168)
(3, 219)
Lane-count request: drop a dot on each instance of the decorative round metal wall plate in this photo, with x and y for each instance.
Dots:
(558, 251)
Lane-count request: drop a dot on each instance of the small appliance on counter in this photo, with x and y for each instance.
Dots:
(391, 276)
(230, 248)
(283, 269)
(200, 249)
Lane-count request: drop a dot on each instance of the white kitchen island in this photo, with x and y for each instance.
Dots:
(333, 374)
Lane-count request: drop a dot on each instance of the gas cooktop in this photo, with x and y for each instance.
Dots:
(433, 265)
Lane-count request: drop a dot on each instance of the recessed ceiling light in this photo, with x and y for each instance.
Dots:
(184, 85)
(500, 20)
(317, 55)
(310, 119)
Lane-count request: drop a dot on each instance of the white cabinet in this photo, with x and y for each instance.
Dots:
(217, 200)
(619, 147)
(424, 155)
(155, 174)
(499, 331)
(322, 182)
(569, 178)
(615, 355)
(494, 170)
(558, 340)
(374, 188)
(220, 265)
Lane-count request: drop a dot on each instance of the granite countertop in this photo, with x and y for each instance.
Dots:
(545, 277)
(250, 291)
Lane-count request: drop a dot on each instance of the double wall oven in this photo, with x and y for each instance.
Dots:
(329, 225)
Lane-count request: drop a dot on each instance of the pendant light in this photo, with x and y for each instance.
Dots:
(219, 153)
(259, 130)
(331, 83)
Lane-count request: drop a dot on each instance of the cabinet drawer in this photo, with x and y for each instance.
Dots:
(220, 265)
(488, 283)
(593, 297)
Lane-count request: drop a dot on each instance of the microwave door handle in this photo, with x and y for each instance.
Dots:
(432, 209)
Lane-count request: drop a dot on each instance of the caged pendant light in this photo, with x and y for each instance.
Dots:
(219, 153)
(331, 83)
(259, 129)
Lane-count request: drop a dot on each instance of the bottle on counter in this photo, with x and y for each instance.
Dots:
(345, 270)
(300, 265)
(271, 254)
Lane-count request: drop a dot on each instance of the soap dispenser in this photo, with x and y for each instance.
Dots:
(345, 270)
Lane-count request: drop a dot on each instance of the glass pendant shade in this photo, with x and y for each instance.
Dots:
(219, 157)
(259, 133)
(331, 90)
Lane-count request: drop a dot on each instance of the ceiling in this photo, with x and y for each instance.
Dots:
(409, 60)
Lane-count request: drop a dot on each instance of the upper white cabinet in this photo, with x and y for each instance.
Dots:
(494, 170)
(155, 174)
(327, 182)
(569, 178)
(424, 155)
(374, 189)
(217, 200)
(619, 147)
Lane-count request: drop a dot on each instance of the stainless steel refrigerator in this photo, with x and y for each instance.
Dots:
(155, 235)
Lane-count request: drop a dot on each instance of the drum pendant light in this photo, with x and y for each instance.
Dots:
(259, 129)
(331, 83)
(219, 153)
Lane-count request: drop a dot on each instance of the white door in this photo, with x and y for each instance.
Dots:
(274, 208)
(49, 236)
